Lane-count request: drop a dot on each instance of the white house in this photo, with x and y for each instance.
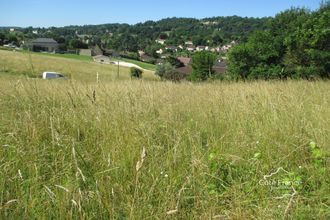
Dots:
(160, 41)
(141, 52)
(160, 51)
(191, 48)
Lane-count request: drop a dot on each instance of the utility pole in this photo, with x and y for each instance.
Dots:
(118, 69)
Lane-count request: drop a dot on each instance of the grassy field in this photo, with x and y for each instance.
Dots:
(14, 64)
(69, 56)
(136, 149)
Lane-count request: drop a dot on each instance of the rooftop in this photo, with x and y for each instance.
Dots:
(44, 40)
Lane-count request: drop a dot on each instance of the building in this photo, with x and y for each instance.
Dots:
(160, 41)
(141, 52)
(200, 48)
(186, 69)
(160, 51)
(43, 44)
(84, 38)
(171, 48)
(191, 48)
(185, 60)
(220, 66)
(146, 58)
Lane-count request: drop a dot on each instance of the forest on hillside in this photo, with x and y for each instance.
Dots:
(142, 36)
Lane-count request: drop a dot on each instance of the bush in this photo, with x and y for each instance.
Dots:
(136, 73)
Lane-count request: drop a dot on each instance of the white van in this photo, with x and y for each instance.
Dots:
(52, 75)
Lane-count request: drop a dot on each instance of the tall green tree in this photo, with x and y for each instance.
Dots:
(297, 45)
(308, 47)
(202, 64)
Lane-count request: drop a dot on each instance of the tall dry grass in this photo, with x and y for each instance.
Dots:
(209, 151)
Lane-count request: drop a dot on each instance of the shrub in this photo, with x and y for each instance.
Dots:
(136, 73)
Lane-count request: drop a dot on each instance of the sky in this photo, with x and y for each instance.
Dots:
(58, 13)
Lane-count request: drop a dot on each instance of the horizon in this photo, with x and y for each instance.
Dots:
(43, 14)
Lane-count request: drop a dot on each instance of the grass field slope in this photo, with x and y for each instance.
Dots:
(80, 68)
(143, 149)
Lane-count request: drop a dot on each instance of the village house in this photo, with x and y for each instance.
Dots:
(171, 48)
(186, 69)
(200, 48)
(141, 52)
(185, 60)
(220, 66)
(191, 48)
(160, 41)
(146, 58)
(225, 48)
(84, 38)
(43, 44)
(160, 51)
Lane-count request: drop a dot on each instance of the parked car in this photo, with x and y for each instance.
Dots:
(52, 75)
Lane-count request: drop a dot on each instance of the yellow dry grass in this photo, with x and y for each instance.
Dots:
(71, 149)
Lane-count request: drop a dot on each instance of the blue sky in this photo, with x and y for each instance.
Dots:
(42, 13)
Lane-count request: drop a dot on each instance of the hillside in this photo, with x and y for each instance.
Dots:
(123, 37)
(18, 64)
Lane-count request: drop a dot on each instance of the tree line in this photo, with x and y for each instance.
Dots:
(142, 36)
(296, 45)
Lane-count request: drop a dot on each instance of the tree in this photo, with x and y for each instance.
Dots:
(2, 38)
(308, 48)
(77, 44)
(136, 73)
(199, 40)
(202, 64)
(217, 39)
(297, 45)
(241, 61)
(151, 50)
(167, 72)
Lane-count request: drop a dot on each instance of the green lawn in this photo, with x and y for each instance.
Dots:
(69, 56)
(147, 66)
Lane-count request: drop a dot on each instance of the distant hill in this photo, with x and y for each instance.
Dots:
(213, 31)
